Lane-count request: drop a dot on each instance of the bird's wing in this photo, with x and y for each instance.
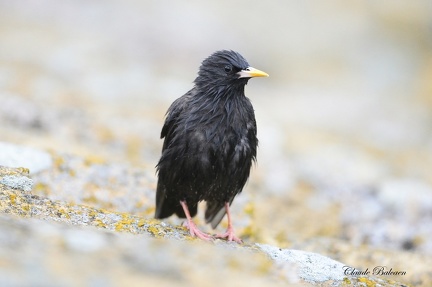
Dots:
(164, 206)
(173, 113)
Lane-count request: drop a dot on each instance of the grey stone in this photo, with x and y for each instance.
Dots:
(19, 156)
(311, 267)
(17, 182)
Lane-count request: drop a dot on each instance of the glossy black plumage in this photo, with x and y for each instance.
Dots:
(210, 140)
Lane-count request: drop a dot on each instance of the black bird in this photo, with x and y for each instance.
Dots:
(210, 144)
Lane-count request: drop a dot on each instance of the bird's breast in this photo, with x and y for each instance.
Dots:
(220, 134)
(221, 144)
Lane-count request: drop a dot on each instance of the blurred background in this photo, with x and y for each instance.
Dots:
(344, 120)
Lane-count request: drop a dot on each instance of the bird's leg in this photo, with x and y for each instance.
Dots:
(229, 234)
(193, 229)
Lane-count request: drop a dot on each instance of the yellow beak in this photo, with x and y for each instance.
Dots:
(250, 72)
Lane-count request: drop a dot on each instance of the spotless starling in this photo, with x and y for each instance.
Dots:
(210, 142)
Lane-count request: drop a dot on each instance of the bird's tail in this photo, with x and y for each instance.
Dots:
(215, 212)
(166, 206)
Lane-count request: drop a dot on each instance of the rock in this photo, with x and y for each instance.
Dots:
(402, 193)
(16, 178)
(110, 253)
(45, 253)
(311, 267)
(120, 248)
(19, 156)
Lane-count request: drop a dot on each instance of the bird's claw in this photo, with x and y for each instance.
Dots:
(230, 236)
(195, 232)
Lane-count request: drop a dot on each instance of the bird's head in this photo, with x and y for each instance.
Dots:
(226, 68)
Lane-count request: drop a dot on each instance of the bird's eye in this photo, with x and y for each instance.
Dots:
(228, 68)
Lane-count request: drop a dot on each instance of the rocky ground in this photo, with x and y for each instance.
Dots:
(343, 121)
(54, 242)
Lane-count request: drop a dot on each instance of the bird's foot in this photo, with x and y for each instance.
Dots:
(195, 232)
(230, 236)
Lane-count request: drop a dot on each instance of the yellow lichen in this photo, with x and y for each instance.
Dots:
(99, 223)
(139, 204)
(63, 213)
(154, 230)
(149, 210)
(105, 134)
(265, 266)
(233, 263)
(127, 219)
(141, 222)
(94, 159)
(25, 207)
(58, 161)
(119, 226)
(368, 282)
(90, 199)
(249, 231)
(39, 186)
(249, 209)
(133, 147)
(93, 213)
(281, 239)
(23, 170)
(125, 223)
(12, 198)
(103, 211)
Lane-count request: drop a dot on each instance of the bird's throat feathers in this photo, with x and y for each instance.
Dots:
(218, 92)
(220, 104)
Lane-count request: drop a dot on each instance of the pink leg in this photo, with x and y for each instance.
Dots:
(229, 234)
(193, 229)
